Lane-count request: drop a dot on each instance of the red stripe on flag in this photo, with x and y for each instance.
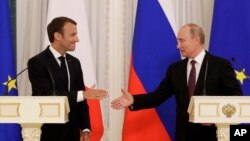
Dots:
(95, 120)
(144, 124)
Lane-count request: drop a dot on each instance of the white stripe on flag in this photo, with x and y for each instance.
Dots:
(75, 9)
(167, 6)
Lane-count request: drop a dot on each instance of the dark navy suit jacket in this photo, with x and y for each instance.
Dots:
(221, 81)
(46, 80)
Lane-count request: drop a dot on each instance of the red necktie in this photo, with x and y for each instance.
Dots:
(191, 81)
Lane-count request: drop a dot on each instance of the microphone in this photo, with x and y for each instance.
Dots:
(234, 60)
(53, 81)
(6, 93)
(205, 79)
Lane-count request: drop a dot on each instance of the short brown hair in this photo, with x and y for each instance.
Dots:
(196, 30)
(56, 25)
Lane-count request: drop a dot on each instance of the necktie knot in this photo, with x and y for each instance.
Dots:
(193, 62)
(61, 58)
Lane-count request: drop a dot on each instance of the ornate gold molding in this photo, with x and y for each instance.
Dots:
(228, 110)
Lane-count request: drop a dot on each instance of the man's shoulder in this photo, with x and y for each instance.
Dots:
(180, 62)
(40, 56)
(217, 59)
(71, 57)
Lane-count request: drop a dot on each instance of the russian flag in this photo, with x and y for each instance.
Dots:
(154, 49)
(230, 37)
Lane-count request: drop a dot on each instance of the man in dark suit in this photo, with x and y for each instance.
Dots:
(55, 72)
(186, 78)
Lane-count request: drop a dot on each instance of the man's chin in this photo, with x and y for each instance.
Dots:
(72, 49)
(183, 54)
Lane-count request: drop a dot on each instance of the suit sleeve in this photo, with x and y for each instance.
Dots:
(155, 98)
(82, 107)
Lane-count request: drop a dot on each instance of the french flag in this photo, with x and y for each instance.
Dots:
(154, 49)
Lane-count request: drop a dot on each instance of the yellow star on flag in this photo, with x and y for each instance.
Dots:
(241, 75)
(11, 83)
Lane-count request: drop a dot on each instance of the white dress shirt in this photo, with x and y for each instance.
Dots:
(199, 59)
(57, 55)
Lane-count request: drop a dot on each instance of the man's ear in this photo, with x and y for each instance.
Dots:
(197, 39)
(57, 35)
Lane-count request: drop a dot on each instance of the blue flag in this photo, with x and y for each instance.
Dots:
(8, 132)
(230, 37)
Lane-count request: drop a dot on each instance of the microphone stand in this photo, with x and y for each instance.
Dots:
(205, 79)
(234, 60)
(6, 93)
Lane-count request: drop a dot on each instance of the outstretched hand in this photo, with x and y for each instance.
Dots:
(125, 100)
(93, 93)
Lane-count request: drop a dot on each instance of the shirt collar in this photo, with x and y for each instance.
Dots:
(55, 53)
(199, 58)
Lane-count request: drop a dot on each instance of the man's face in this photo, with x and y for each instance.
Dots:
(69, 38)
(186, 43)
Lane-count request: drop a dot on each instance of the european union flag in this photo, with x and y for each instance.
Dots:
(8, 132)
(230, 37)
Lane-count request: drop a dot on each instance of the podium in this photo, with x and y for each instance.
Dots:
(32, 111)
(221, 110)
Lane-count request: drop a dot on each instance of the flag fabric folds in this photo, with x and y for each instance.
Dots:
(154, 49)
(230, 37)
(75, 9)
(8, 132)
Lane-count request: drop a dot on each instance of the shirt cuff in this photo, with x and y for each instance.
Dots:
(80, 96)
(86, 130)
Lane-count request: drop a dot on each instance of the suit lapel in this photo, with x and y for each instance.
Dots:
(70, 68)
(200, 82)
(54, 68)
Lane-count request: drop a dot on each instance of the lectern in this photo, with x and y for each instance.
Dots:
(32, 111)
(221, 110)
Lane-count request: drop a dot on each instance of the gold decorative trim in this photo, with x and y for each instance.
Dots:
(13, 110)
(228, 110)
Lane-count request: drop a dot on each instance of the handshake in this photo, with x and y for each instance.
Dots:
(121, 102)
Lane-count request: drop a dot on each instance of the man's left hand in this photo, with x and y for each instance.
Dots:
(85, 136)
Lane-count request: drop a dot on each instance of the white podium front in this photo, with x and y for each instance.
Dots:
(32, 111)
(221, 110)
